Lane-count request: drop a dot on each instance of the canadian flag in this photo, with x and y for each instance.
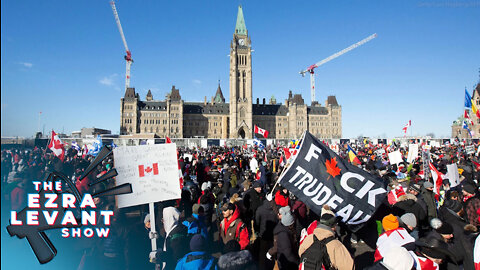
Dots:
(466, 115)
(56, 146)
(407, 126)
(437, 178)
(168, 140)
(289, 152)
(144, 170)
(261, 131)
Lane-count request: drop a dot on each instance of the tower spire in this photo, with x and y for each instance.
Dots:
(240, 28)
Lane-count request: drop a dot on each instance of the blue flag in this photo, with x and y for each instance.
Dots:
(468, 100)
(465, 126)
(97, 146)
(258, 143)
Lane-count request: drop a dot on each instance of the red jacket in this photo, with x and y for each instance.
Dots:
(234, 229)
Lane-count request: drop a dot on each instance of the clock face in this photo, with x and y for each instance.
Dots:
(241, 41)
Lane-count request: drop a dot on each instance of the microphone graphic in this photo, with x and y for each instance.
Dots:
(41, 245)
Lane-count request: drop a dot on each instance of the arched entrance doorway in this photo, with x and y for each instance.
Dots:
(241, 133)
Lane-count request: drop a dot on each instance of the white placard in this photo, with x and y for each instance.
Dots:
(395, 157)
(470, 149)
(151, 169)
(334, 148)
(189, 156)
(452, 175)
(412, 152)
(435, 144)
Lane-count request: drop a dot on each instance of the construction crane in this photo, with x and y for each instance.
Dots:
(128, 57)
(311, 68)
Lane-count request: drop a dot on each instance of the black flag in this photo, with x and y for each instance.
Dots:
(318, 176)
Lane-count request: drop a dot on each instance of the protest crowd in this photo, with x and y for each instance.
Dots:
(234, 214)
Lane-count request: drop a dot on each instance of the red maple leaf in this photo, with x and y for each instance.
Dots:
(332, 168)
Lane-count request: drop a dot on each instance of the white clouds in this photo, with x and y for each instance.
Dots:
(26, 64)
(196, 81)
(110, 81)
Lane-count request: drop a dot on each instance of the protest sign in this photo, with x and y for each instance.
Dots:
(412, 152)
(470, 149)
(395, 157)
(151, 169)
(452, 175)
(318, 176)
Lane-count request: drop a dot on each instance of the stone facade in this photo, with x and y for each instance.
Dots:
(457, 126)
(175, 118)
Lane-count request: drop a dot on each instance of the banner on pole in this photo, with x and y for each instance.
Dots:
(151, 169)
(318, 176)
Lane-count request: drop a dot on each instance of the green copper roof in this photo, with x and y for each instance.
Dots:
(240, 27)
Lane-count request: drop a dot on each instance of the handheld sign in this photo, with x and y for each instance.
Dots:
(318, 176)
(412, 152)
(151, 169)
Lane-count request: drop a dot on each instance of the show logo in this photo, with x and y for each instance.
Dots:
(59, 205)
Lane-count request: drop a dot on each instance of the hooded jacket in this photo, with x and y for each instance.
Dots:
(176, 235)
(284, 247)
(229, 229)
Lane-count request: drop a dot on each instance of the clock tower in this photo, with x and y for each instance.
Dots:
(240, 81)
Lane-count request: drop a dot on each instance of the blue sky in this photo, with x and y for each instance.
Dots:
(65, 58)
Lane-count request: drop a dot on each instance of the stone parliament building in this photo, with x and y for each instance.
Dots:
(216, 119)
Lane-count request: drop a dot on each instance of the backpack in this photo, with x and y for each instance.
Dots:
(316, 255)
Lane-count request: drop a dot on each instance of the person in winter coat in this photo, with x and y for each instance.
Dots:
(232, 227)
(252, 199)
(174, 246)
(195, 223)
(197, 259)
(265, 222)
(394, 236)
(430, 253)
(429, 197)
(284, 241)
(471, 201)
(337, 252)
(408, 204)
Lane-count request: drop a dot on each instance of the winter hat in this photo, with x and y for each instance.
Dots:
(441, 227)
(433, 247)
(146, 219)
(415, 187)
(469, 188)
(287, 218)
(453, 205)
(228, 206)
(409, 219)
(427, 185)
(326, 210)
(284, 210)
(197, 243)
(256, 184)
(398, 258)
(204, 186)
(390, 222)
